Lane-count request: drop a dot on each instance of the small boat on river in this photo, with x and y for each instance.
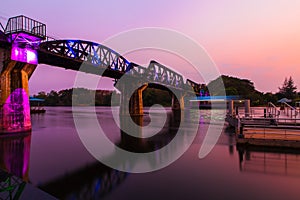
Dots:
(36, 105)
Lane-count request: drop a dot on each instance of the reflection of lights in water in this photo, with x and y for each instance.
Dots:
(15, 153)
(98, 181)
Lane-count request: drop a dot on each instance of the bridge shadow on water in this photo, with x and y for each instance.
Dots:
(149, 144)
(95, 180)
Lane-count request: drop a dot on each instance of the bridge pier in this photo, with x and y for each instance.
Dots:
(178, 104)
(18, 60)
(132, 103)
(14, 96)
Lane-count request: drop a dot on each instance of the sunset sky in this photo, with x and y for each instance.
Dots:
(254, 39)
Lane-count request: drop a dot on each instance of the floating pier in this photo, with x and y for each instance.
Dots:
(265, 126)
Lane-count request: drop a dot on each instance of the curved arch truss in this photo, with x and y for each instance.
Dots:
(91, 52)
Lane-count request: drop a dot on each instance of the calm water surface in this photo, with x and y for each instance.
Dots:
(54, 159)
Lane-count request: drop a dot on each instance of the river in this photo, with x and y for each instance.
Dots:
(54, 159)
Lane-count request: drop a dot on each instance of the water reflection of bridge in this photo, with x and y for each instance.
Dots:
(14, 159)
(269, 160)
(14, 172)
(94, 180)
(90, 182)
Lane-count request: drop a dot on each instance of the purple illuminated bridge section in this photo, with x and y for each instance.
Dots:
(25, 35)
(26, 55)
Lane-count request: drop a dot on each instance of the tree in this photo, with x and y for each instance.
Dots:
(231, 91)
(65, 97)
(153, 96)
(244, 88)
(41, 95)
(52, 98)
(288, 89)
(269, 97)
(233, 86)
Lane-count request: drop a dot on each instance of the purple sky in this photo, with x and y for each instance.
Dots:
(254, 39)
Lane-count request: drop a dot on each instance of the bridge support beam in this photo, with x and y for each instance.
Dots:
(132, 103)
(178, 104)
(14, 96)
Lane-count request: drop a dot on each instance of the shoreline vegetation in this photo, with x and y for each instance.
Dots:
(243, 88)
(84, 97)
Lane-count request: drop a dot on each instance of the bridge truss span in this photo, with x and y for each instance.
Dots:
(70, 54)
(196, 86)
(85, 51)
(159, 73)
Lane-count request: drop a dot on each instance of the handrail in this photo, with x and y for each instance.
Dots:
(49, 38)
(22, 23)
(273, 110)
(297, 106)
(291, 107)
(287, 108)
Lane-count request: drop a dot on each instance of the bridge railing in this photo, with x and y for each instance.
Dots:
(25, 24)
(49, 38)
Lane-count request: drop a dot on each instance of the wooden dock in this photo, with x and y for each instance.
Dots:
(270, 136)
(270, 127)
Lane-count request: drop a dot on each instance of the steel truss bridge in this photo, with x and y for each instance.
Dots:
(70, 54)
(24, 44)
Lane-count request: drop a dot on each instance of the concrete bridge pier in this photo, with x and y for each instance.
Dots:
(132, 103)
(178, 104)
(14, 96)
(18, 59)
